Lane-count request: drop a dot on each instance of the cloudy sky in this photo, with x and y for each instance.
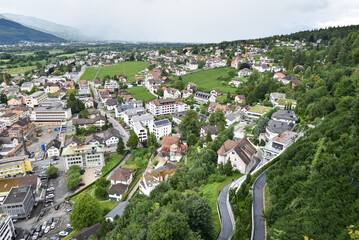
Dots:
(188, 20)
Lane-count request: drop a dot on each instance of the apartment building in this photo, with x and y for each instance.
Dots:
(14, 165)
(161, 128)
(160, 107)
(19, 202)
(36, 99)
(9, 118)
(7, 229)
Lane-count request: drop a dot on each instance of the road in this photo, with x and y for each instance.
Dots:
(227, 227)
(258, 230)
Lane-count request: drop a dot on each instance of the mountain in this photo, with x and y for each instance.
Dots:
(62, 31)
(13, 33)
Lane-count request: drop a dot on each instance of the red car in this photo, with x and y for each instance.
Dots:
(82, 184)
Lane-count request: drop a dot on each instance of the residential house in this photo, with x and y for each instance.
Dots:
(88, 103)
(112, 84)
(233, 117)
(19, 127)
(140, 131)
(186, 93)
(73, 141)
(171, 93)
(240, 99)
(111, 104)
(53, 148)
(257, 111)
(69, 85)
(241, 154)
(202, 97)
(129, 113)
(279, 144)
(216, 92)
(236, 82)
(173, 148)
(244, 72)
(93, 140)
(26, 86)
(274, 97)
(278, 75)
(17, 100)
(287, 79)
(192, 64)
(191, 86)
(111, 136)
(98, 122)
(209, 129)
(51, 87)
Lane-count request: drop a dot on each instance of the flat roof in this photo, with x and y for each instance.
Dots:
(83, 149)
(17, 195)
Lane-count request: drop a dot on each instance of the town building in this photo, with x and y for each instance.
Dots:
(9, 118)
(53, 113)
(202, 97)
(84, 156)
(212, 129)
(278, 144)
(120, 180)
(111, 136)
(14, 165)
(7, 229)
(19, 202)
(98, 121)
(257, 111)
(173, 148)
(53, 148)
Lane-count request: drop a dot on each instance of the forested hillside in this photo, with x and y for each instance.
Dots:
(314, 187)
(13, 33)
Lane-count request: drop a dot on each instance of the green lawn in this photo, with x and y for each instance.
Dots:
(89, 73)
(140, 93)
(74, 54)
(114, 160)
(128, 69)
(207, 80)
(260, 109)
(210, 193)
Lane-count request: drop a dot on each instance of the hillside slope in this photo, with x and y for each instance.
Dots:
(66, 32)
(13, 33)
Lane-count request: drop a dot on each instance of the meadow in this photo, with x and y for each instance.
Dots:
(207, 80)
(141, 93)
(89, 73)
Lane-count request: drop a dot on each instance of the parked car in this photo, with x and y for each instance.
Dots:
(47, 229)
(42, 213)
(54, 238)
(50, 195)
(50, 189)
(32, 231)
(44, 225)
(35, 236)
(57, 206)
(63, 233)
(51, 220)
(41, 233)
(82, 184)
(26, 235)
(36, 203)
(69, 209)
(53, 225)
(38, 229)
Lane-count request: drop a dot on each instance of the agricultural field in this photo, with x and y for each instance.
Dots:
(74, 54)
(128, 69)
(207, 80)
(89, 73)
(141, 93)
(19, 70)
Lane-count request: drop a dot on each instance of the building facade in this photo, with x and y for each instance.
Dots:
(84, 156)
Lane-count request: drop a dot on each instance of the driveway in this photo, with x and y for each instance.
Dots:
(258, 205)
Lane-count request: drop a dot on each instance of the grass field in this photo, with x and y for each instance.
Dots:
(19, 70)
(210, 193)
(207, 80)
(114, 160)
(89, 73)
(128, 69)
(260, 109)
(140, 93)
(74, 54)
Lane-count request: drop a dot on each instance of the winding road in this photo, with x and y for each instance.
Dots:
(226, 215)
(258, 225)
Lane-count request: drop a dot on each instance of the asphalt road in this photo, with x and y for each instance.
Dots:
(258, 205)
(226, 223)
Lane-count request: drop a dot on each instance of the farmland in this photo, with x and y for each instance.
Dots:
(89, 73)
(141, 93)
(207, 80)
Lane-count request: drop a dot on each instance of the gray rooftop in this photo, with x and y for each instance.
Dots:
(279, 127)
(145, 117)
(161, 123)
(285, 115)
(17, 195)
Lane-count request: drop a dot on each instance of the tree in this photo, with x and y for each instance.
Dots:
(51, 171)
(170, 225)
(160, 92)
(287, 58)
(73, 177)
(200, 217)
(152, 140)
(191, 140)
(84, 113)
(217, 118)
(3, 99)
(133, 141)
(86, 212)
(101, 188)
(208, 137)
(189, 124)
(261, 126)
(227, 168)
(120, 146)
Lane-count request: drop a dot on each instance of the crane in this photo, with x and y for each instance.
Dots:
(3, 75)
(246, 46)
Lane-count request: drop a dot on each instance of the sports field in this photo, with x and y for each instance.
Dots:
(140, 93)
(207, 80)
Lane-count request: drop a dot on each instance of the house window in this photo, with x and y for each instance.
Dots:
(233, 153)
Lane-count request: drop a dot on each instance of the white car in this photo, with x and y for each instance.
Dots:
(50, 195)
(63, 233)
(44, 225)
(69, 225)
(47, 229)
(50, 189)
(36, 234)
(53, 225)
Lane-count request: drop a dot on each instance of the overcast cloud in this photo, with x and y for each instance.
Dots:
(188, 20)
